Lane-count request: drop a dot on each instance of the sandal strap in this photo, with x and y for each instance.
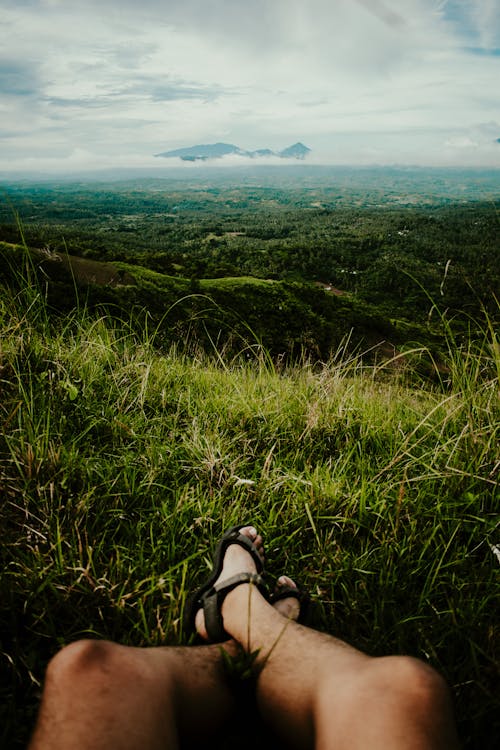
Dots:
(213, 598)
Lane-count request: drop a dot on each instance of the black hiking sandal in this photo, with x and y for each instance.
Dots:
(210, 595)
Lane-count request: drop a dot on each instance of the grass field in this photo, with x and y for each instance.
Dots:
(120, 465)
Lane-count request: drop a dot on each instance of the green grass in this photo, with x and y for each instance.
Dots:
(230, 282)
(121, 465)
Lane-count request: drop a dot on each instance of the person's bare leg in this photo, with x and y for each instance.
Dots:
(99, 694)
(317, 691)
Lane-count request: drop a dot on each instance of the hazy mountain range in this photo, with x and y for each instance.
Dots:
(203, 152)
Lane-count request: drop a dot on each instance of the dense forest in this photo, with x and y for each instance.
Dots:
(394, 249)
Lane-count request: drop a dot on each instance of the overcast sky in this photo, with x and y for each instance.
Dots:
(112, 82)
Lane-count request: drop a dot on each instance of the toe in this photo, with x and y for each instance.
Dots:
(199, 624)
(285, 581)
(289, 606)
(256, 539)
(259, 544)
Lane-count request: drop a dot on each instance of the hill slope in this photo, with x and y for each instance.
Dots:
(289, 319)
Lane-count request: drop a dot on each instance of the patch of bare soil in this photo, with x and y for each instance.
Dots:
(330, 289)
(89, 271)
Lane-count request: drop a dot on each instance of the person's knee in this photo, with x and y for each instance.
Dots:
(82, 660)
(392, 683)
(409, 681)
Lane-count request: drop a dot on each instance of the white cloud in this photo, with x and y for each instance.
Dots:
(461, 141)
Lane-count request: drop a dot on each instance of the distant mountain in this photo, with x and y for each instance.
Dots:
(203, 152)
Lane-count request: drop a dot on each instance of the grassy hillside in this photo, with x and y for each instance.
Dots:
(122, 462)
(289, 319)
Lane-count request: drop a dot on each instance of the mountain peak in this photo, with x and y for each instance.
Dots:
(297, 151)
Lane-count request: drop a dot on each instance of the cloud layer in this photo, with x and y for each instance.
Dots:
(359, 81)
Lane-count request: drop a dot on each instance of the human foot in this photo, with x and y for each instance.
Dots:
(238, 560)
(288, 606)
(289, 600)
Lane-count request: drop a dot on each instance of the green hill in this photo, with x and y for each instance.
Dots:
(289, 319)
(121, 460)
